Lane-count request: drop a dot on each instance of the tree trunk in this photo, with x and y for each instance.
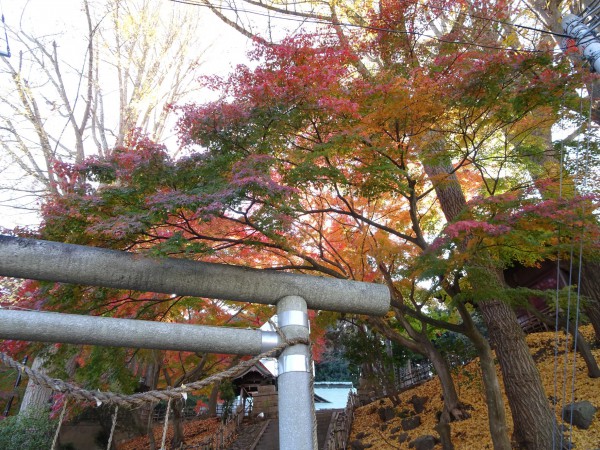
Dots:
(212, 401)
(178, 436)
(493, 398)
(534, 423)
(582, 346)
(152, 372)
(586, 353)
(590, 287)
(453, 408)
(491, 384)
(36, 396)
(150, 430)
(535, 426)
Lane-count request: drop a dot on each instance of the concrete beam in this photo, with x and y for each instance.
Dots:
(112, 332)
(67, 263)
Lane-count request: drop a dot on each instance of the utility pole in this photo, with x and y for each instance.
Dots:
(585, 38)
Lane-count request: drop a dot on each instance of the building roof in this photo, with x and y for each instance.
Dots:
(259, 368)
(332, 394)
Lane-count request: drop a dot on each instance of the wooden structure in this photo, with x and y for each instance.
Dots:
(254, 377)
(257, 385)
(545, 277)
(338, 433)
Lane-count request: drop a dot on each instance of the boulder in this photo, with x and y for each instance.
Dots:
(580, 413)
(410, 423)
(357, 445)
(386, 413)
(418, 403)
(426, 442)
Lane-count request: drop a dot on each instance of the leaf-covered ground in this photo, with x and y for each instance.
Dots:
(195, 432)
(466, 435)
(473, 433)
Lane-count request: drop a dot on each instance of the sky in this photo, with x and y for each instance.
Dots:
(64, 21)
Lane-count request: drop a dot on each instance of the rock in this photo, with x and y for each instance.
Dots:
(361, 435)
(403, 437)
(386, 413)
(404, 413)
(418, 403)
(357, 445)
(426, 442)
(582, 414)
(411, 423)
(383, 427)
(395, 430)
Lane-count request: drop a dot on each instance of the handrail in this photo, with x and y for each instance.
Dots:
(226, 432)
(340, 425)
(329, 437)
(260, 434)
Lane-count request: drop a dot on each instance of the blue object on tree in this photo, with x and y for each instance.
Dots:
(5, 51)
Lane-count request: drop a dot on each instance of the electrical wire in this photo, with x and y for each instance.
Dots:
(501, 22)
(590, 9)
(439, 8)
(557, 295)
(379, 29)
(563, 402)
(584, 177)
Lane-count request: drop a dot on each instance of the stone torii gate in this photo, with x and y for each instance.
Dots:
(292, 293)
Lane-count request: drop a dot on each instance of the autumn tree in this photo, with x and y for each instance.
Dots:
(397, 36)
(133, 59)
(395, 152)
(328, 176)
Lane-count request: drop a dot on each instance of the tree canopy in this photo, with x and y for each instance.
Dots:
(408, 143)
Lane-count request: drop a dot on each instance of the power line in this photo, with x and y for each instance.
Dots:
(372, 28)
(502, 22)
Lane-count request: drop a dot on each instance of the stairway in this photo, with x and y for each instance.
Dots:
(270, 437)
(247, 436)
(323, 421)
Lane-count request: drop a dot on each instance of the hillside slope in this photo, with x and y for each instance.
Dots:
(371, 430)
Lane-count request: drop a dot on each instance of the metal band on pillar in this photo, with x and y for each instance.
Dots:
(269, 340)
(293, 317)
(294, 363)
